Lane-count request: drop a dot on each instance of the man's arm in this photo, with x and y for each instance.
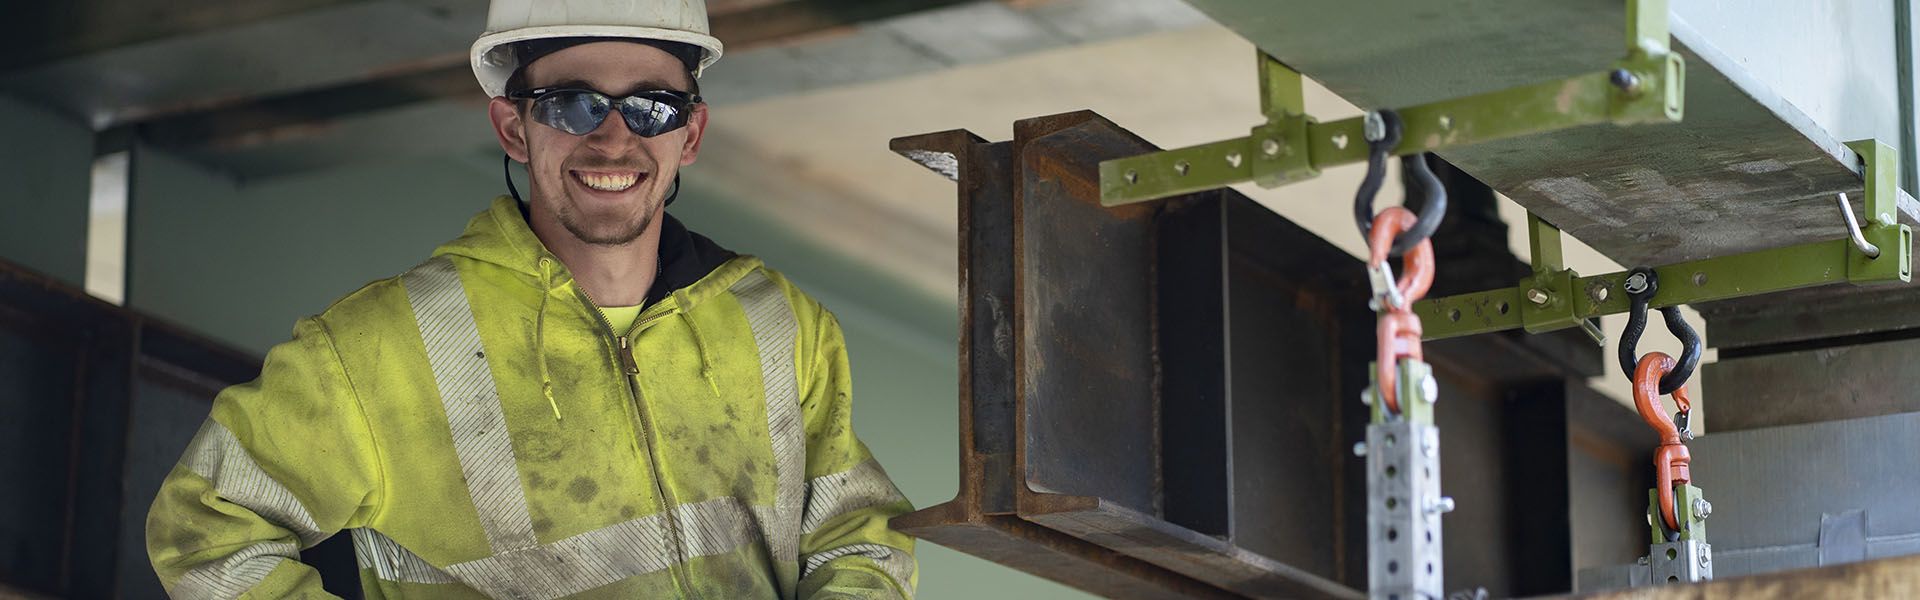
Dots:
(282, 463)
(846, 548)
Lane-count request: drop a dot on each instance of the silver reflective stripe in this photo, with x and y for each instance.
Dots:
(576, 564)
(830, 496)
(895, 563)
(774, 329)
(217, 455)
(610, 554)
(390, 561)
(472, 403)
(235, 574)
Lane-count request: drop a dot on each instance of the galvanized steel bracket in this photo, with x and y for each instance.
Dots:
(1647, 86)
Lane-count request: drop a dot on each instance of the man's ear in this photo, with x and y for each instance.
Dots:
(508, 127)
(696, 128)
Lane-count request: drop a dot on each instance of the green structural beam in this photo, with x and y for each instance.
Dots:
(1553, 297)
(1645, 87)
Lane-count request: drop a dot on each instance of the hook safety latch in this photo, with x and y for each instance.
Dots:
(1386, 292)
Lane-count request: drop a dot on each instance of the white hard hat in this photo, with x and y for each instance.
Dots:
(512, 21)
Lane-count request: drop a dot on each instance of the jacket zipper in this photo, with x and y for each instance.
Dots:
(631, 368)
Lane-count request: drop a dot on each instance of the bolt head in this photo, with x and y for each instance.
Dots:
(1427, 448)
(1360, 449)
(1637, 283)
(1270, 147)
(1441, 505)
(1366, 396)
(1625, 80)
(1132, 176)
(1539, 296)
(1374, 127)
(1704, 560)
(1430, 388)
(1702, 509)
(1233, 159)
(1643, 561)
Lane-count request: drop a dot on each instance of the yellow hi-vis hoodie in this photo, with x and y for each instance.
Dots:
(481, 432)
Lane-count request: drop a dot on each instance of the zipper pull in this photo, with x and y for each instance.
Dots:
(626, 357)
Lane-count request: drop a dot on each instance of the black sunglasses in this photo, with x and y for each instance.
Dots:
(580, 111)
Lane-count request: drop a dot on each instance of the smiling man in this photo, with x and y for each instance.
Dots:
(577, 397)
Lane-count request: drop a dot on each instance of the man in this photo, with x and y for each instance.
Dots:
(576, 397)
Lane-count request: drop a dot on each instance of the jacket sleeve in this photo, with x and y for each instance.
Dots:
(846, 548)
(281, 464)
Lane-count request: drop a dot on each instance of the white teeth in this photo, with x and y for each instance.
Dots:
(608, 182)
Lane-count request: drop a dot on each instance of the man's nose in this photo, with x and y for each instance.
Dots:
(613, 134)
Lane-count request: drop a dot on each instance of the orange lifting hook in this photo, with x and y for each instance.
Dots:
(1399, 332)
(1670, 459)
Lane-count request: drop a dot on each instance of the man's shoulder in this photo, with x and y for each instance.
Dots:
(374, 302)
(386, 302)
(756, 278)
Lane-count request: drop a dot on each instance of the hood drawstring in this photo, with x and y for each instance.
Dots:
(700, 347)
(540, 335)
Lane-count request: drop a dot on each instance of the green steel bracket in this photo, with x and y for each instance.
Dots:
(1882, 227)
(1548, 292)
(1281, 155)
(1418, 389)
(1554, 298)
(1647, 86)
(1690, 507)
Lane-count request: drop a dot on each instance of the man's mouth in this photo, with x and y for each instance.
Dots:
(606, 181)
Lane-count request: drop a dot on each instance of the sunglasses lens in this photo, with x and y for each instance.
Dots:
(578, 112)
(648, 117)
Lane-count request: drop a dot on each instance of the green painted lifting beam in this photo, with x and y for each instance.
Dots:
(1647, 86)
(1553, 297)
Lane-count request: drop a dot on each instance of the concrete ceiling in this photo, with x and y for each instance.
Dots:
(803, 104)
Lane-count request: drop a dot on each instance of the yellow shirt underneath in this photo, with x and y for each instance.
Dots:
(620, 317)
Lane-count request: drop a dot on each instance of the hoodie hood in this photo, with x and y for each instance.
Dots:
(501, 236)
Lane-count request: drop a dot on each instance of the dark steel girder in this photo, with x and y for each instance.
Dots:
(1159, 400)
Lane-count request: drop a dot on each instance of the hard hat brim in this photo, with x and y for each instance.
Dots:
(492, 67)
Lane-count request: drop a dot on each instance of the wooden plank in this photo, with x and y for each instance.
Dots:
(1885, 578)
(42, 32)
(241, 124)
